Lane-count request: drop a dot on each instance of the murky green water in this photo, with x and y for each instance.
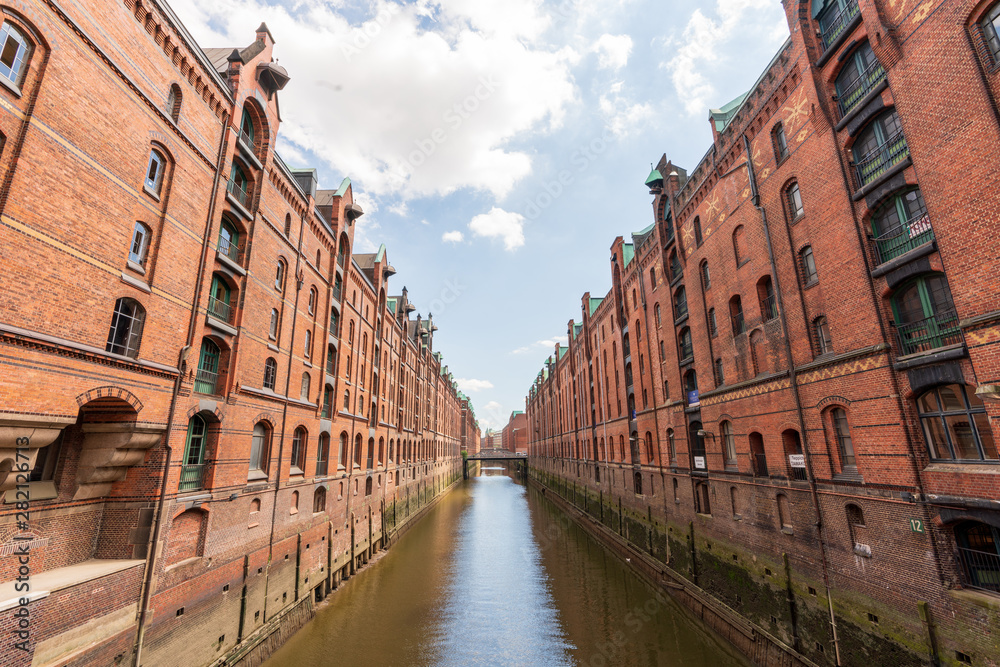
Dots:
(495, 575)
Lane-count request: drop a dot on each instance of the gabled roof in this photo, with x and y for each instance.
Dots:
(628, 253)
(725, 114)
(594, 304)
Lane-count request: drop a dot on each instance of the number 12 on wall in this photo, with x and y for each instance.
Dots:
(917, 525)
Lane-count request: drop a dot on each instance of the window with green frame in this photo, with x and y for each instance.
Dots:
(901, 224)
(193, 467)
(879, 146)
(833, 17)
(956, 425)
(925, 315)
(239, 184)
(229, 241)
(218, 300)
(207, 378)
(246, 129)
(858, 77)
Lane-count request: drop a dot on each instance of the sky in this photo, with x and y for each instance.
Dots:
(498, 147)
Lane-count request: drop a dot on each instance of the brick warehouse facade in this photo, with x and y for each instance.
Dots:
(221, 408)
(789, 395)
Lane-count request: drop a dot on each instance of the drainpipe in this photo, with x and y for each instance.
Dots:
(755, 198)
(155, 537)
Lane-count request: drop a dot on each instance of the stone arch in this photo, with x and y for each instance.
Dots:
(109, 391)
(187, 536)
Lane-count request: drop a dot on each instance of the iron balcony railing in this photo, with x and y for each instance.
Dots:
(239, 194)
(980, 569)
(669, 226)
(739, 326)
(879, 160)
(626, 350)
(205, 382)
(687, 351)
(340, 259)
(769, 308)
(798, 474)
(229, 249)
(192, 477)
(681, 309)
(832, 25)
(321, 467)
(220, 310)
(337, 291)
(911, 234)
(938, 331)
(330, 358)
(866, 82)
(248, 142)
(759, 461)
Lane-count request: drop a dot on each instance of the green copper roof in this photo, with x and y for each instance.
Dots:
(380, 254)
(344, 184)
(725, 114)
(645, 231)
(594, 303)
(563, 351)
(653, 177)
(390, 305)
(628, 252)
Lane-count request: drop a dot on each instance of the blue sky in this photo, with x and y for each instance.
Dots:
(499, 147)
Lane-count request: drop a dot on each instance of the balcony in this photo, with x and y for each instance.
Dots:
(340, 259)
(337, 292)
(680, 310)
(866, 82)
(909, 235)
(192, 477)
(938, 331)
(220, 310)
(239, 194)
(980, 569)
(739, 326)
(686, 353)
(769, 308)
(878, 161)
(759, 462)
(832, 25)
(229, 249)
(206, 381)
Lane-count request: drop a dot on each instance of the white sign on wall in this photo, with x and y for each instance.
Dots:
(797, 460)
(699, 462)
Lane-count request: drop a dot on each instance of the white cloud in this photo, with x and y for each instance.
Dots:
(613, 51)
(499, 223)
(452, 237)
(622, 115)
(704, 40)
(472, 385)
(424, 100)
(547, 343)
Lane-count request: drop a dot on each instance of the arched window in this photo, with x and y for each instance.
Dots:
(319, 500)
(784, 513)
(728, 443)
(680, 303)
(307, 346)
(294, 505)
(736, 315)
(733, 500)
(671, 447)
(270, 373)
(207, 378)
(780, 142)
(334, 322)
(979, 554)
(322, 454)
(357, 451)
(311, 306)
(793, 199)
(675, 265)
(685, 348)
(368, 486)
(193, 468)
(288, 223)
(218, 300)
(247, 129)
(821, 336)
(126, 328)
(768, 302)
(154, 170)
(925, 315)
(140, 244)
(299, 439)
(758, 458)
(720, 375)
(381, 451)
(331, 360)
(392, 453)
(342, 461)
(901, 224)
(14, 54)
(956, 425)
(239, 185)
(229, 241)
(260, 450)
(697, 231)
(842, 433)
(652, 277)
(807, 264)
(738, 245)
(174, 102)
(858, 77)
(306, 381)
(713, 325)
(273, 330)
(656, 311)
(879, 146)
(621, 447)
(350, 332)
(706, 277)
(279, 275)
(792, 444)
(650, 449)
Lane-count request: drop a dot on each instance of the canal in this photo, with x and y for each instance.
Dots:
(496, 575)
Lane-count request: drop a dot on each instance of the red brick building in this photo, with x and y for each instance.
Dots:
(514, 437)
(470, 433)
(217, 408)
(789, 395)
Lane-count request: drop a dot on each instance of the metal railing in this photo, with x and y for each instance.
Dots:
(340, 259)
(980, 569)
(913, 233)
(687, 351)
(192, 477)
(798, 474)
(338, 290)
(205, 382)
(669, 225)
(879, 160)
(229, 249)
(739, 326)
(938, 331)
(832, 25)
(759, 461)
(680, 309)
(769, 308)
(220, 310)
(239, 194)
(248, 142)
(866, 82)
